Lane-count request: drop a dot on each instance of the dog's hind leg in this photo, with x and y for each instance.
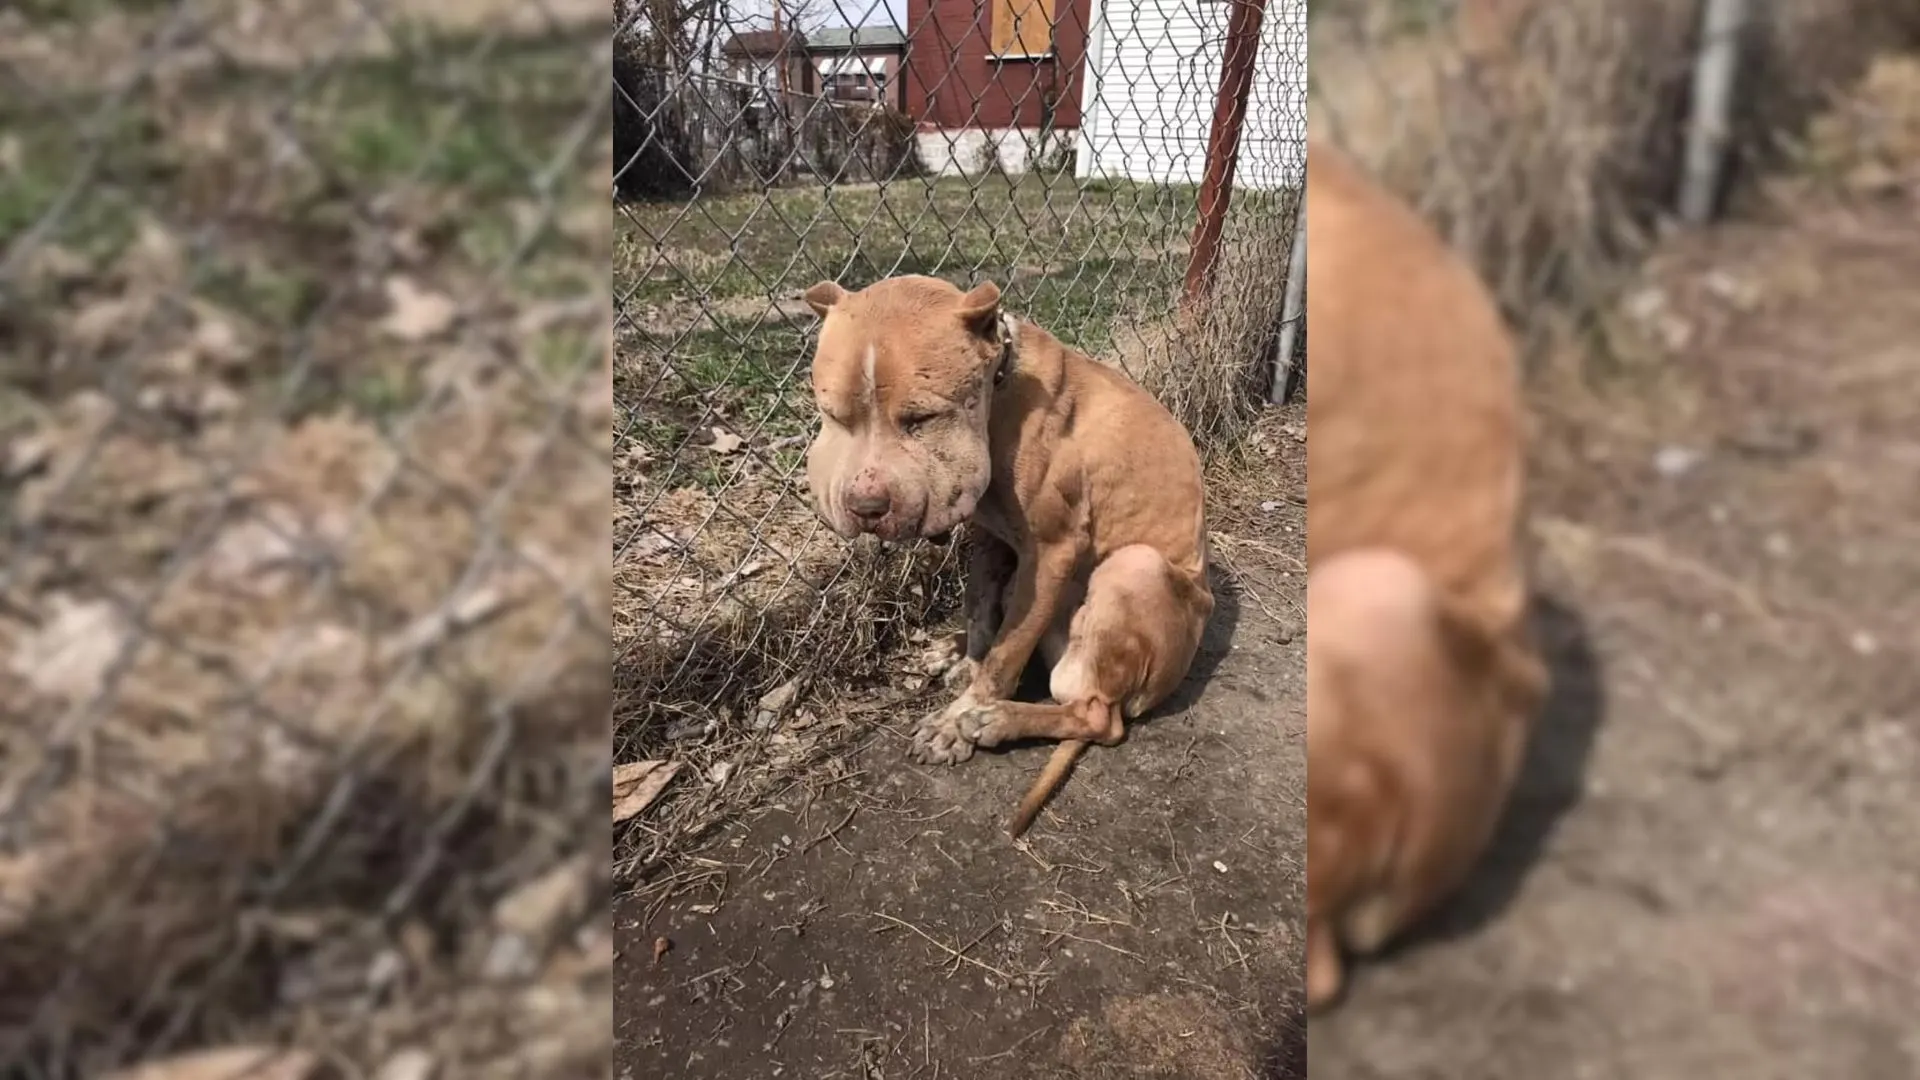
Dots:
(995, 723)
(1416, 720)
(1127, 647)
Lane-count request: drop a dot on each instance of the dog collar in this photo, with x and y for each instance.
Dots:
(1005, 364)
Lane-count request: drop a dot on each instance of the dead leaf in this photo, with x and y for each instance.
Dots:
(409, 1064)
(655, 543)
(156, 254)
(725, 442)
(215, 336)
(460, 614)
(543, 908)
(107, 322)
(740, 573)
(637, 783)
(28, 453)
(537, 319)
(231, 1063)
(74, 649)
(417, 314)
(634, 457)
(52, 264)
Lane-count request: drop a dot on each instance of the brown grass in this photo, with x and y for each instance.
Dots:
(1550, 153)
(303, 629)
(1211, 364)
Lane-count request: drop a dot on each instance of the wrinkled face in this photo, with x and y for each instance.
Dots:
(902, 380)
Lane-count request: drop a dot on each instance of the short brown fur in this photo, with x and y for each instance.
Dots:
(1422, 680)
(1084, 496)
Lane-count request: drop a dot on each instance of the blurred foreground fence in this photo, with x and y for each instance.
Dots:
(1550, 141)
(303, 538)
(1058, 147)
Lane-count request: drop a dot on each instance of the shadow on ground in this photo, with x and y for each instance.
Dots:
(1551, 782)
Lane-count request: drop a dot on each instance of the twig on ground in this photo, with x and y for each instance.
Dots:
(1233, 541)
(832, 833)
(1242, 585)
(1058, 934)
(1223, 924)
(1186, 759)
(1017, 1044)
(1074, 907)
(959, 956)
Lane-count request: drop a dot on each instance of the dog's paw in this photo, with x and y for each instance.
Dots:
(961, 674)
(940, 657)
(975, 724)
(938, 740)
(947, 663)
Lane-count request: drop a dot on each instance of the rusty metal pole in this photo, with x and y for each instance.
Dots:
(1223, 142)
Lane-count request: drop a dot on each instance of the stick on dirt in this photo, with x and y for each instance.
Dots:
(1043, 788)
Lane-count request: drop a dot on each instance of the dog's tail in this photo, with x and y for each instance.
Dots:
(1045, 785)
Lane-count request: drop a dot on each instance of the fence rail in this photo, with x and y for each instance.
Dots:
(303, 550)
(1059, 147)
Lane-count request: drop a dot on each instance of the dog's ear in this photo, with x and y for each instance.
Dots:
(822, 295)
(980, 309)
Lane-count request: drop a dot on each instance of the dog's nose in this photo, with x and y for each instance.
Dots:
(869, 506)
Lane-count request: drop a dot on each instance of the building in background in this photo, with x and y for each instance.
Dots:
(859, 64)
(758, 58)
(994, 84)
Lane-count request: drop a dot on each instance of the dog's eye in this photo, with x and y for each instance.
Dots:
(913, 422)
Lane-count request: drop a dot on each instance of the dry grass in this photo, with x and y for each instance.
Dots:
(1211, 364)
(1549, 151)
(302, 618)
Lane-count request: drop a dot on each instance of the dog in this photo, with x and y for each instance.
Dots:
(1083, 496)
(1422, 678)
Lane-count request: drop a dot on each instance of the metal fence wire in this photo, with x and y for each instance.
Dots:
(1057, 147)
(303, 539)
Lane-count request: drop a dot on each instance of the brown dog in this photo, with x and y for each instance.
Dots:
(1085, 496)
(1421, 678)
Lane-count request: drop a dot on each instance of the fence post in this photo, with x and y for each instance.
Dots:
(1223, 141)
(1707, 134)
(1292, 311)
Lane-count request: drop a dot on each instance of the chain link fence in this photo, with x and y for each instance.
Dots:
(303, 539)
(1057, 147)
(1552, 142)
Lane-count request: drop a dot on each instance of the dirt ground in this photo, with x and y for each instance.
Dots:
(1712, 867)
(876, 922)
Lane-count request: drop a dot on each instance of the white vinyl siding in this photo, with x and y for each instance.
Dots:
(1153, 68)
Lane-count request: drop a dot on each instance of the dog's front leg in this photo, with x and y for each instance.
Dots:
(955, 659)
(991, 566)
(1038, 582)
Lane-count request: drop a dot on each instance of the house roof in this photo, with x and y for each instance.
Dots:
(763, 43)
(843, 38)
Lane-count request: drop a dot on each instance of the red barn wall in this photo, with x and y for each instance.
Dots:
(953, 82)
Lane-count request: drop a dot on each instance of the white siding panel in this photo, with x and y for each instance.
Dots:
(1153, 69)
